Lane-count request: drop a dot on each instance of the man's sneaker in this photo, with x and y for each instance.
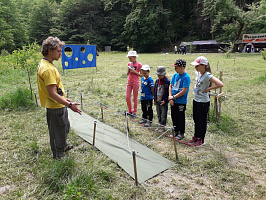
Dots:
(143, 121)
(180, 136)
(199, 142)
(147, 124)
(194, 139)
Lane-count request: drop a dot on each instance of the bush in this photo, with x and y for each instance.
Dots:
(20, 99)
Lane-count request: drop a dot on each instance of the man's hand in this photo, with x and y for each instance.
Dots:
(75, 108)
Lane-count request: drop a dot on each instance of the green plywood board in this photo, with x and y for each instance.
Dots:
(118, 147)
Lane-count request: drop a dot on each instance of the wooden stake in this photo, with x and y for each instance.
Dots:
(81, 101)
(176, 156)
(219, 101)
(127, 123)
(102, 110)
(67, 94)
(94, 131)
(135, 167)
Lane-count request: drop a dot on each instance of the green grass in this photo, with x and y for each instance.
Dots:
(230, 166)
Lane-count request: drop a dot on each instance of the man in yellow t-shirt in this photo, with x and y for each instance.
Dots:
(53, 98)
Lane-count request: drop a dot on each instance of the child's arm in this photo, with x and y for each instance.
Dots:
(171, 100)
(179, 94)
(135, 72)
(152, 91)
(217, 82)
(170, 89)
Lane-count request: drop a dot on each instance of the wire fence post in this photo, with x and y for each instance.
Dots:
(135, 167)
(101, 110)
(67, 94)
(126, 122)
(176, 156)
(94, 131)
(81, 101)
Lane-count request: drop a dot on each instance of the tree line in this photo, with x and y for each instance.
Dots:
(145, 25)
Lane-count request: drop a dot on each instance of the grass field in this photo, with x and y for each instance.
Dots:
(230, 166)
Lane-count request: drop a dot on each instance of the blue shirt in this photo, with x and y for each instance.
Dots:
(178, 83)
(146, 85)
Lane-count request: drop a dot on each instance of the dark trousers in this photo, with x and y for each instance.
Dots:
(162, 113)
(200, 112)
(178, 117)
(58, 125)
(146, 107)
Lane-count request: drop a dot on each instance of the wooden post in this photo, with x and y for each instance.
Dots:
(135, 167)
(67, 94)
(94, 131)
(36, 99)
(102, 110)
(81, 101)
(176, 156)
(218, 100)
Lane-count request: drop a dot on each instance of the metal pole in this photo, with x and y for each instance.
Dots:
(135, 167)
(94, 131)
(176, 156)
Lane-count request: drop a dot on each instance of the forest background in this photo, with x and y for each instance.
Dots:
(145, 25)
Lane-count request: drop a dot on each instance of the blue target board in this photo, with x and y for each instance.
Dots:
(78, 56)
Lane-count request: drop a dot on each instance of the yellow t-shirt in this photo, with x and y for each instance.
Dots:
(48, 74)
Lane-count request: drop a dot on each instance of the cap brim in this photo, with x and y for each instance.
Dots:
(132, 56)
(194, 63)
(173, 65)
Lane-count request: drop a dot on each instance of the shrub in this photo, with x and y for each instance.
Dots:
(17, 100)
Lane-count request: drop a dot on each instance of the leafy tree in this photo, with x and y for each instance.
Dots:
(116, 12)
(41, 20)
(25, 59)
(143, 25)
(79, 21)
(229, 20)
(12, 32)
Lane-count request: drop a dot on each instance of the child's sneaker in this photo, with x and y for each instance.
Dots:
(143, 121)
(194, 139)
(180, 136)
(147, 124)
(132, 115)
(199, 142)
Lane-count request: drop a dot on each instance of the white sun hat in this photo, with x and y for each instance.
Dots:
(145, 68)
(200, 60)
(132, 53)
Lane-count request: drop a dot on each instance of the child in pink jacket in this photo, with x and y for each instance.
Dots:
(133, 74)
